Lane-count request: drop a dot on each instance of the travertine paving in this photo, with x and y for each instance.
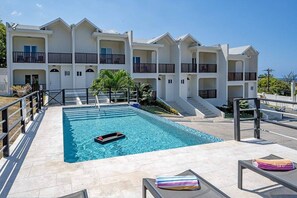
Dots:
(45, 174)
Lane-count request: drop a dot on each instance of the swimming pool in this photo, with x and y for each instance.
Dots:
(144, 132)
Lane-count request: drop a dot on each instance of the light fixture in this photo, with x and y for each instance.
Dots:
(159, 78)
(188, 78)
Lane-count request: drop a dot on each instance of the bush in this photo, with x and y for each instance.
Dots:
(166, 107)
(21, 90)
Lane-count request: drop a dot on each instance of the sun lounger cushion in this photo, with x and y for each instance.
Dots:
(275, 164)
(178, 182)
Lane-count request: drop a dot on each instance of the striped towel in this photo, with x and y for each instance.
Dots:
(276, 164)
(178, 182)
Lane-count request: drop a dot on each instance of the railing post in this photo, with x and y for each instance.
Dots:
(31, 107)
(41, 96)
(63, 96)
(39, 100)
(23, 121)
(5, 130)
(257, 116)
(87, 95)
(236, 113)
(137, 94)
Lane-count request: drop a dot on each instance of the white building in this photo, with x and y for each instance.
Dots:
(191, 77)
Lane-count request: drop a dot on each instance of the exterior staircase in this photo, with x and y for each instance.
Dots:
(201, 108)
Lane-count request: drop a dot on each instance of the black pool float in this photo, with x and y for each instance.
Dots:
(109, 137)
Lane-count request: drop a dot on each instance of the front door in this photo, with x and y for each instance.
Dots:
(54, 79)
(90, 76)
(28, 79)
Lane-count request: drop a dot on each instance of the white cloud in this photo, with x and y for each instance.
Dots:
(38, 5)
(15, 13)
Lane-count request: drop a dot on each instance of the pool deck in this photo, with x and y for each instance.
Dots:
(36, 167)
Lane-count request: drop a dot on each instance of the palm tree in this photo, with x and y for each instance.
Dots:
(112, 81)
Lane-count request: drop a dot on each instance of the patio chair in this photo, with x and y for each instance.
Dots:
(207, 189)
(285, 178)
(80, 194)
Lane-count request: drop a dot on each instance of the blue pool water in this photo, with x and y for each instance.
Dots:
(144, 132)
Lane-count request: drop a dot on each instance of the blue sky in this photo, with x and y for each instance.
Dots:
(270, 26)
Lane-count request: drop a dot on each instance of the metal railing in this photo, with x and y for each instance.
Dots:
(210, 93)
(86, 58)
(13, 120)
(256, 108)
(207, 68)
(59, 57)
(188, 68)
(166, 68)
(28, 57)
(112, 58)
(144, 68)
(251, 76)
(235, 76)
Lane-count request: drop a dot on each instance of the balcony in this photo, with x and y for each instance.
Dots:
(188, 68)
(208, 68)
(59, 57)
(144, 68)
(112, 58)
(28, 57)
(211, 93)
(235, 76)
(86, 58)
(166, 68)
(251, 76)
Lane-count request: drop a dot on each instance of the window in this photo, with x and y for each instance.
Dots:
(182, 81)
(252, 88)
(136, 59)
(67, 73)
(169, 81)
(105, 51)
(78, 73)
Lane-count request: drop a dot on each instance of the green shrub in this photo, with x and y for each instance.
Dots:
(166, 107)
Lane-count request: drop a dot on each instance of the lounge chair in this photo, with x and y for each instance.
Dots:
(285, 178)
(207, 189)
(80, 194)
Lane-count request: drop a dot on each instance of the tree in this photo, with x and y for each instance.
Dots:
(2, 45)
(290, 77)
(145, 93)
(112, 81)
(277, 86)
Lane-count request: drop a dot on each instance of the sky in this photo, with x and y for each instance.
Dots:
(270, 26)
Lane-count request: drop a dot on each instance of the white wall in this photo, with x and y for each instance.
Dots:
(60, 40)
(84, 42)
(164, 52)
(222, 77)
(118, 47)
(183, 87)
(145, 56)
(207, 58)
(19, 76)
(66, 81)
(186, 54)
(3, 81)
(20, 42)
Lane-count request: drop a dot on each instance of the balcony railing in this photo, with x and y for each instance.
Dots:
(112, 58)
(59, 57)
(235, 76)
(211, 93)
(144, 68)
(207, 68)
(86, 58)
(166, 68)
(251, 76)
(188, 68)
(28, 57)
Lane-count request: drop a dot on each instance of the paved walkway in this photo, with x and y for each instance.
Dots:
(37, 168)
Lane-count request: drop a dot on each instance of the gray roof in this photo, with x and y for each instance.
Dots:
(239, 50)
(27, 27)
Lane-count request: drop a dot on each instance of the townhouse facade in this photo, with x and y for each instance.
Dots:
(187, 75)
